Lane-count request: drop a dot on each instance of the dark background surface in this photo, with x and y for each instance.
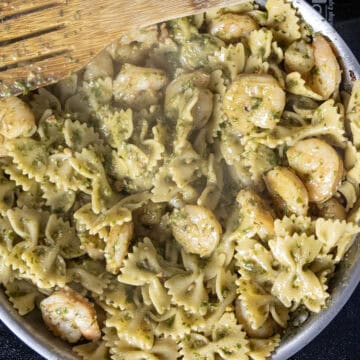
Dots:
(341, 339)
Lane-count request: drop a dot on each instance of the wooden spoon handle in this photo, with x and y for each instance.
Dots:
(56, 37)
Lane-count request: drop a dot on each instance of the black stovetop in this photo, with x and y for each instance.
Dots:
(341, 339)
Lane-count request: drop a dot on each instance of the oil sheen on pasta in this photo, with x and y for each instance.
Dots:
(188, 193)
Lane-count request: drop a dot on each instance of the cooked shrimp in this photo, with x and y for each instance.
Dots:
(148, 35)
(256, 211)
(70, 316)
(319, 166)
(134, 46)
(299, 57)
(287, 191)
(101, 66)
(203, 107)
(326, 74)
(117, 244)
(232, 27)
(139, 86)
(332, 209)
(254, 100)
(196, 229)
(16, 118)
(184, 81)
(268, 329)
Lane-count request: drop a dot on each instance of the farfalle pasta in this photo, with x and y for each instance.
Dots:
(187, 193)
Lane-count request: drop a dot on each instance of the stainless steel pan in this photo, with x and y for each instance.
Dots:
(33, 332)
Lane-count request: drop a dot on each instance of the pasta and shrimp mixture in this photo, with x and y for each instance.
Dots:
(187, 194)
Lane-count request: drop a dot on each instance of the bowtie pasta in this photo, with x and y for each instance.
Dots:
(188, 193)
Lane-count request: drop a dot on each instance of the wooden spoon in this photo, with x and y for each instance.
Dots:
(43, 41)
